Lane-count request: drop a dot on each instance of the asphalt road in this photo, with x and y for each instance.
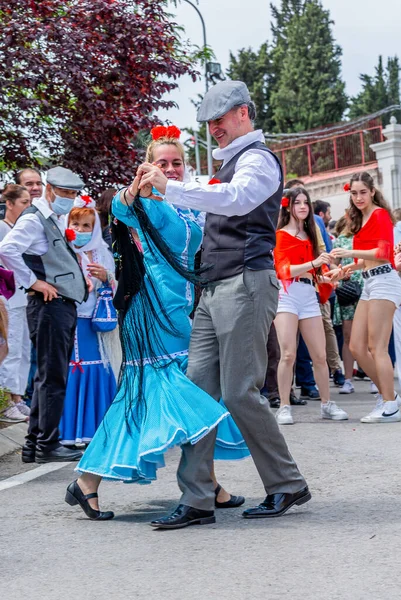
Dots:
(344, 544)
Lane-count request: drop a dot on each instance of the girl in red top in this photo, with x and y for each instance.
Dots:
(299, 267)
(373, 250)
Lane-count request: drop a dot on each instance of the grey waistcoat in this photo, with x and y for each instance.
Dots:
(232, 243)
(59, 266)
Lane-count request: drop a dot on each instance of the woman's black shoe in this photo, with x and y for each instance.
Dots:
(74, 495)
(234, 501)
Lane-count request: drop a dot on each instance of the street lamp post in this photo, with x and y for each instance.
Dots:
(208, 136)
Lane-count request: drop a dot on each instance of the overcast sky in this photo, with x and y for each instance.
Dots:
(363, 28)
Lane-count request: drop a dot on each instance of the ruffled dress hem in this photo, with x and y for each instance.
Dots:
(154, 458)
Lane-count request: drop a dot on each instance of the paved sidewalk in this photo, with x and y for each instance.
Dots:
(343, 545)
(12, 438)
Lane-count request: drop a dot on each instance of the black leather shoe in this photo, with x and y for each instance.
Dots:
(184, 516)
(276, 505)
(295, 401)
(74, 495)
(60, 454)
(274, 402)
(234, 501)
(28, 454)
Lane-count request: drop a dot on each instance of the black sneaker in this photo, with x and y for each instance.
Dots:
(360, 374)
(309, 393)
(338, 378)
(295, 401)
(274, 402)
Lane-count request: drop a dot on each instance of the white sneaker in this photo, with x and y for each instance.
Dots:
(330, 410)
(373, 388)
(23, 408)
(384, 412)
(284, 416)
(13, 415)
(347, 388)
(398, 399)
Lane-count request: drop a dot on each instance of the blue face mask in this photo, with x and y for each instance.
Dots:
(62, 206)
(82, 238)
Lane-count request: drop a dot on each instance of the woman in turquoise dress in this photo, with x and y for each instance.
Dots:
(156, 406)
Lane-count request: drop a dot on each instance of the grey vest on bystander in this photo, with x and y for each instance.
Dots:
(59, 266)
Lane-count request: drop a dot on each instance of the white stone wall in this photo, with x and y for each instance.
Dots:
(388, 154)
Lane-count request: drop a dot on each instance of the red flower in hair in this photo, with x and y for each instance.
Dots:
(70, 235)
(173, 132)
(168, 132)
(285, 202)
(158, 132)
(213, 181)
(347, 187)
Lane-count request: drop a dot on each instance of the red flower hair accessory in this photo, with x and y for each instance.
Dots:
(160, 131)
(285, 202)
(70, 235)
(213, 181)
(347, 187)
(173, 132)
(84, 202)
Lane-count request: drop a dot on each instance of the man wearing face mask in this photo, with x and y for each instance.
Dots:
(43, 263)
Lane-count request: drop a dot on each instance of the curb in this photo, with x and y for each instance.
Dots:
(12, 438)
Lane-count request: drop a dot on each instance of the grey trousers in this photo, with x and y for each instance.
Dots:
(228, 358)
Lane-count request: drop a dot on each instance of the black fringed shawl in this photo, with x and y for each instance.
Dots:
(144, 316)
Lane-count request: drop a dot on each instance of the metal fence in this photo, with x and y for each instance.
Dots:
(329, 154)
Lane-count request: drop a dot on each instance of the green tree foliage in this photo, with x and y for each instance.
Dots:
(283, 15)
(309, 92)
(378, 91)
(295, 81)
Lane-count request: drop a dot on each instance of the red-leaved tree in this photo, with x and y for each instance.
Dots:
(80, 78)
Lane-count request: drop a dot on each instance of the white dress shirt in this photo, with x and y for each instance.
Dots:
(19, 299)
(257, 177)
(27, 236)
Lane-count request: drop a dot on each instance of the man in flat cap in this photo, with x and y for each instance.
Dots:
(227, 354)
(43, 263)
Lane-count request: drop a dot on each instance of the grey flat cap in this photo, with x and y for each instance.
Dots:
(64, 178)
(221, 98)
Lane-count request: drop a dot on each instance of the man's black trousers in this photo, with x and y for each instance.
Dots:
(51, 328)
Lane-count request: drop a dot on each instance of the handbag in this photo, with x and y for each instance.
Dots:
(104, 316)
(348, 293)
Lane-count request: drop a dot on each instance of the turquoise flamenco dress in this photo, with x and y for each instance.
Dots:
(130, 443)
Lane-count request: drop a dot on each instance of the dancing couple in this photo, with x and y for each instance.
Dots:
(227, 351)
